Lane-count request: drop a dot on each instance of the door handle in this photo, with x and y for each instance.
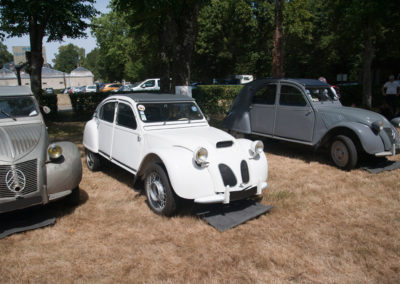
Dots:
(139, 138)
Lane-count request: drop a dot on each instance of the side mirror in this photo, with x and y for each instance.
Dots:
(46, 109)
(143, 86)
(208, 118)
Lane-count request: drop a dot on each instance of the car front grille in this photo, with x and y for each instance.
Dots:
(244, 170)
(228, 177)
(390, 134)
(19, 179)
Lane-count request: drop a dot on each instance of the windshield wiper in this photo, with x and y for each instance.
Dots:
(8, 115)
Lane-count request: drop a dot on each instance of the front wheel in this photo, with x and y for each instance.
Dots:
(343, 152)
(160, 197)
(93, 161)
(74, 198)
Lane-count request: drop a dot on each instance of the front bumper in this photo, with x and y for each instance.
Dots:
(20, 203)
(392, 152)
(228, 195)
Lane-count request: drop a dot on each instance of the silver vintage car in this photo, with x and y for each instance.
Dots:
(32, 171)
(308, 111)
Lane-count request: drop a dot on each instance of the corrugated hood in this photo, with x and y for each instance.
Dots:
(17, 141)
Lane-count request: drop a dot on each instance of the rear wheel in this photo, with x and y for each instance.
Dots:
(160, 196)
(93, 161)
(343, 152)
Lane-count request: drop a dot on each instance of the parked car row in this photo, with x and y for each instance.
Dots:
(166, 142)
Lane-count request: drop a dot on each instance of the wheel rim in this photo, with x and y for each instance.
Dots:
(340, 153)
(156, 192)
(89, 160)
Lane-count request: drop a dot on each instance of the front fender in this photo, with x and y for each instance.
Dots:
(371, 142)
(187, 179)
(65, 173)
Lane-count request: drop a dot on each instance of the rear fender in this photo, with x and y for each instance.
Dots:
(91, 136)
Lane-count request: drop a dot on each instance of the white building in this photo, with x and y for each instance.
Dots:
(51, 78)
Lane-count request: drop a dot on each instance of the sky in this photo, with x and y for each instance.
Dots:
(88, 43)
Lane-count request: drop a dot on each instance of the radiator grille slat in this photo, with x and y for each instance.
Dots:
(25, 173)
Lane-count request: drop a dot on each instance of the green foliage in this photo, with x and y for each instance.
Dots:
(5, 56)
(215, 99)
(54, 19)
(91, 62)
(84, 104)
(68, 58)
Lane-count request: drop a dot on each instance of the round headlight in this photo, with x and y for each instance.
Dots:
(201, 156)
(377, 126)
(257, 147)
(54, 151)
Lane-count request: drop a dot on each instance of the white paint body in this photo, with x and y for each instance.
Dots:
(174, 143)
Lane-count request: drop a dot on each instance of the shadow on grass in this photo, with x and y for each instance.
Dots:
(24, 219)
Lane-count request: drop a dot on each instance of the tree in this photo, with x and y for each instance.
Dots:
(52, 19)
(91, 62)
(69, 57)
(5, 56)
(277, 51)
(172, 25)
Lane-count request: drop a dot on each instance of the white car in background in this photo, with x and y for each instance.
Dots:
(148, 85)
(90, 89)
(166, 142)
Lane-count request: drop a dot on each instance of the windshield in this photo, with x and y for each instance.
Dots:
(321, 94)
(12, 107)
(157, 112)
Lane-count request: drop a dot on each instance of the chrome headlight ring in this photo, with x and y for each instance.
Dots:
(257, 147)
(54, 151)
(377, 126)
(200, 157)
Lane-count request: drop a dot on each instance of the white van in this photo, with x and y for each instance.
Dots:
(148, 85)
(244, 78)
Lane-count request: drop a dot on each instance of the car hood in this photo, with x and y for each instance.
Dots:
(19, 140)
(334, 115)
(189, 138)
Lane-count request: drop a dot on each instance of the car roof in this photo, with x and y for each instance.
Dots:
(15, 91)
(301, 81)
(155, 97)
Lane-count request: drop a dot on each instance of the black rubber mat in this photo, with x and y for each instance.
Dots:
(382, 166)
(224, 217)
(25, 220)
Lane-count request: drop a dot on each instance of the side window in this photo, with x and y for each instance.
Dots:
(291, 96)
(265, 95)
(107, 112)
(125, 116)
(150, 83)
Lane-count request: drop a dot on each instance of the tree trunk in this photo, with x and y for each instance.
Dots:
(166, 35)
(35, 58)
(277, 51)
(186, 26)
(368, 56)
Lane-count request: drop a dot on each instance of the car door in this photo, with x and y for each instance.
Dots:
(149, 85)
(295, 116)
(106, 127)
(262, 109)
(127, 146)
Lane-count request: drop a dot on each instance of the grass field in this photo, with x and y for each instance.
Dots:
(327, 226)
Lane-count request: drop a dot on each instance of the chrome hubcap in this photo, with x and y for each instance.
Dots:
(89, 160)
(340, 154)
(156, 191)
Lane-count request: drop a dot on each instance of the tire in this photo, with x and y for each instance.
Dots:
(93, 161)
(343, 152)
(160, 196)
(73, 199)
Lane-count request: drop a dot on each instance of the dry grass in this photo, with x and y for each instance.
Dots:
(328, 226)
